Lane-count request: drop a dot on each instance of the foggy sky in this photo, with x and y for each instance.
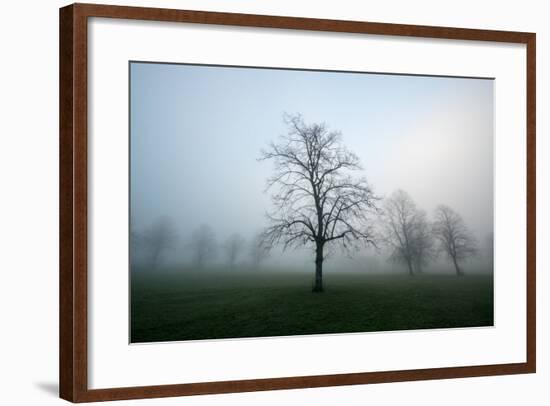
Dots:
(197, 131)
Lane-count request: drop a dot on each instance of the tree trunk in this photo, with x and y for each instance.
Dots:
(457, 268)
(318, 269)
(410, 266)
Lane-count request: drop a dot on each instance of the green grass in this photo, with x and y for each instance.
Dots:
(212, 305)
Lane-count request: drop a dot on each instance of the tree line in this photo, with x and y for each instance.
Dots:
(414, 241)
(318, 202)
(154, 242)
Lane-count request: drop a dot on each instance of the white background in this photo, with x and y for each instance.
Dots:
(112, 362)
(28, 222)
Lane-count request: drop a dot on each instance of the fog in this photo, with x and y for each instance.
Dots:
(196, 133)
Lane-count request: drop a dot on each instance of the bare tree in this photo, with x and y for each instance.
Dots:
(135, 243)
(407, 231)
(159, 237)
(455, 240)
(490, 247)
(316, 200)
(259, 251)
(233, 247)
(203, 244)
(424, 249)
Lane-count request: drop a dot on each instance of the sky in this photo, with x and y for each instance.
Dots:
(196, 133)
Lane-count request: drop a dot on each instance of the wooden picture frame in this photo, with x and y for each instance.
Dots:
(73, 279)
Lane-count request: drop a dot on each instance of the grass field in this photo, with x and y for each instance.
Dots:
(210, 305)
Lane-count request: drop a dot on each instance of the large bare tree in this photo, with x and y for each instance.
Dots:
(233, 247)
(316, 200)
(158, 238)
(407, 231)
(455, 239)
(203, 245)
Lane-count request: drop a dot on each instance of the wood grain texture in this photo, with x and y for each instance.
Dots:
(204, 388)
(299, 23)
(73, 204)
(73, 199)
(531, 174)
(66, 130)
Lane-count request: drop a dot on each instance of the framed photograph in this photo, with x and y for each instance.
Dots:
(255, 202)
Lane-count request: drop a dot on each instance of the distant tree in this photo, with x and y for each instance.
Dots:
(407, 232)
(490, 247)
(233, 247)
(259, 251)
(136, 244)
(316, 200)
(158, 237)
(455, 239)
(136, 236)
(203, 245)
(423, 245)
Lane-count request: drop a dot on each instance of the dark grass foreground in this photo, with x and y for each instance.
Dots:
(211, 305)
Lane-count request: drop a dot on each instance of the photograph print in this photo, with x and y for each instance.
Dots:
(269, 202)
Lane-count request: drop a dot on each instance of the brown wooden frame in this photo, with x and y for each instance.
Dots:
(73, 360)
